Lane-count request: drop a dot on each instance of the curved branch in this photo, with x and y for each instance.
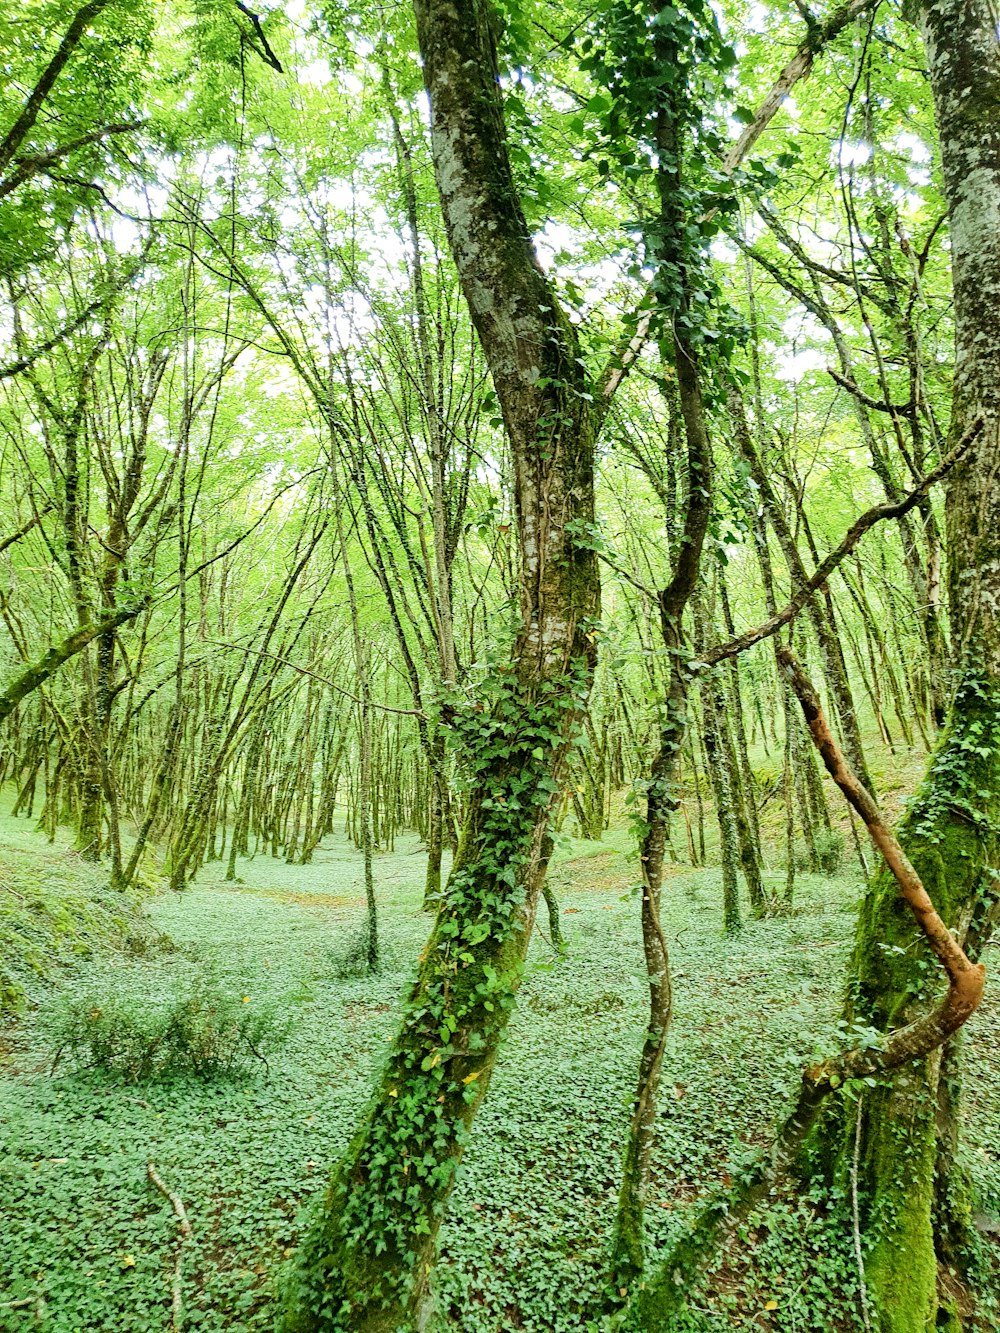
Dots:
(965, 978)
(826, 567)
(664, 1292)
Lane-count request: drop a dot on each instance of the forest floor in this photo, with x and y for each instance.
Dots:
(90, 1245)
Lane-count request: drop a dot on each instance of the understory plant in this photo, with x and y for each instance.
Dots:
(206, 1031)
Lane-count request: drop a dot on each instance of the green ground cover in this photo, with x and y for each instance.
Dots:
(89, 1244)
(55, 910)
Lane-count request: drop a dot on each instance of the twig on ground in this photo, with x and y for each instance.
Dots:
(177, 1290)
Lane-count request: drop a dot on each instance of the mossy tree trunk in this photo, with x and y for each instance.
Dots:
(677, 289)
(366, 1263)
(906, 1178)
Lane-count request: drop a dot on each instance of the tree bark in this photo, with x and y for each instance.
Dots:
(367, 1261)
(950, 830)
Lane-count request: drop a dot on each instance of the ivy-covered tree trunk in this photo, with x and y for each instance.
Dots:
(628, 1240)
(913, 1209)
(366, 1263)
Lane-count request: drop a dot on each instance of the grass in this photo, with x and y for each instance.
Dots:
(89, 1244)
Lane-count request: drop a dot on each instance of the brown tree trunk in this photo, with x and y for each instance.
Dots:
(909, 1126)
(367, 1261)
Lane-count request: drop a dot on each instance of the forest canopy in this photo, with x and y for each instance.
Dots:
(464, 469)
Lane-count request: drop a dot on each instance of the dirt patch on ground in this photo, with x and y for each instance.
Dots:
(324, 900)
(602, 873)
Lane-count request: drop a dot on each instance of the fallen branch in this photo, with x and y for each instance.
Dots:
(177, 1290)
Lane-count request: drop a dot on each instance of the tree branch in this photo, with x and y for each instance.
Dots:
(818, 36)
(40, 671)
(900, 409)
(826, 567)
(965, 979)
(324, 680)
(29, 114)
(622, 360)
(31, 165)
(23, 531)
(264, 50)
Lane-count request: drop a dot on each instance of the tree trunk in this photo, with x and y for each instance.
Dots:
(950, 830)
(366, 1264)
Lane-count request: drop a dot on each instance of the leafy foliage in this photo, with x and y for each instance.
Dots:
(208, 1031)
(525, 1245)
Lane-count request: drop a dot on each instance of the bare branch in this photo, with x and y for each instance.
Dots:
(324, 680)
(264, 49)
(819, 35)
(826, 567)
(898, 409)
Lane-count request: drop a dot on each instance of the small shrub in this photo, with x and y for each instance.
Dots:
(145, 941)
(349, 961)
(207, 1032)
(829, 853)
(829, 850)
